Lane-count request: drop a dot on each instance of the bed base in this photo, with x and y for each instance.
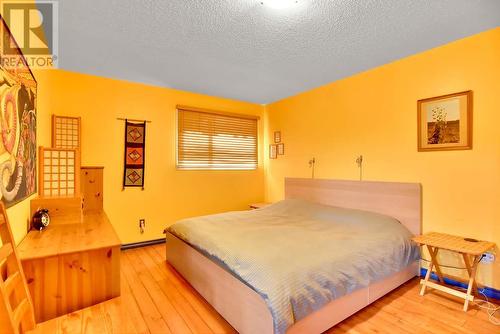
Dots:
(245, 309)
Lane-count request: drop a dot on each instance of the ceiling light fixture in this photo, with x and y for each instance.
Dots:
(279, 4)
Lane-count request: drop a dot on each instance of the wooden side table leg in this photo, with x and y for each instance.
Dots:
(433, 252)
(469, 270)
(428, 274)
(472, 278)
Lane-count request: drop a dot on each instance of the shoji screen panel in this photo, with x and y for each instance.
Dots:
(66, 132)
(59, 172)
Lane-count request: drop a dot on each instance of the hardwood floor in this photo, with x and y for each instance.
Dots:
(159, 300)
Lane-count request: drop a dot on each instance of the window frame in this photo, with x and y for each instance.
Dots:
(180, 108)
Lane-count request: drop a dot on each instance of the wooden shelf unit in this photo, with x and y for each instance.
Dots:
(75, 262)
(92, 188)
(71, 266)
(62, 210)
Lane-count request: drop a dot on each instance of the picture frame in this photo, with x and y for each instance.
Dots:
(273, 151)
(277, 137)
(18, 93)
(445, 122)
(281, 149)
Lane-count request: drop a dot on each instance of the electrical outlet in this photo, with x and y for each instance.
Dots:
(488, 258)
(142, 224)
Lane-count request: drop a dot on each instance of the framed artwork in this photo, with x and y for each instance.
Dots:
(18, 150)
(135, 147)
(445, 122)
(277, 137)
(281, 149)
(273, 151)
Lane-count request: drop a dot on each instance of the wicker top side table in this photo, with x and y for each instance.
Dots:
(471, 251)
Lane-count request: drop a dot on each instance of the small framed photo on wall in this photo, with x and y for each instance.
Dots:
(445, 122)
(277, 137)
(273, 152)
(281, 149)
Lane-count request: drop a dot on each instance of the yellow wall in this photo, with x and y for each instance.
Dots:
(374, 114)
(169, 194)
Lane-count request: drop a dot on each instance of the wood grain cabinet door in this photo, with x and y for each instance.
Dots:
(92, 187)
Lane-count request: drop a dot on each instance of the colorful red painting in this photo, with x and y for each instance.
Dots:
(18, 124)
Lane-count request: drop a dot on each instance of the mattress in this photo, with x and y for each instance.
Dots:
(298, 256)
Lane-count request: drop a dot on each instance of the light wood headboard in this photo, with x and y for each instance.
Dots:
(402, 201)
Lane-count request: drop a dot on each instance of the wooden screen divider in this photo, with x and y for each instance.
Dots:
(59, 172)
(16, 307)
(66, 132)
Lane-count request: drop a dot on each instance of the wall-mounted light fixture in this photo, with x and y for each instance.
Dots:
(312, 162)
(359, 162)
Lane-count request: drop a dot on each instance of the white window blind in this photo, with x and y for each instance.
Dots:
(216, 140)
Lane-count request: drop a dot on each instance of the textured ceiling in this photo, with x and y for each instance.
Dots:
(240, 49)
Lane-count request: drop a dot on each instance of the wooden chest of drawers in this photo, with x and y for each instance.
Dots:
(91, 179)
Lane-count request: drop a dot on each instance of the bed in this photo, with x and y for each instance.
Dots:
(306, 263)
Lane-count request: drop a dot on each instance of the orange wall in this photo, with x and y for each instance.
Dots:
(374, 114)
(169, 194)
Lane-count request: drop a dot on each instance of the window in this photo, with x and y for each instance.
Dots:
(216, 140)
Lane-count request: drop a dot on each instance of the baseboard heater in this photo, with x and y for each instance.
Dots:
(143, 244)
(488, 291)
